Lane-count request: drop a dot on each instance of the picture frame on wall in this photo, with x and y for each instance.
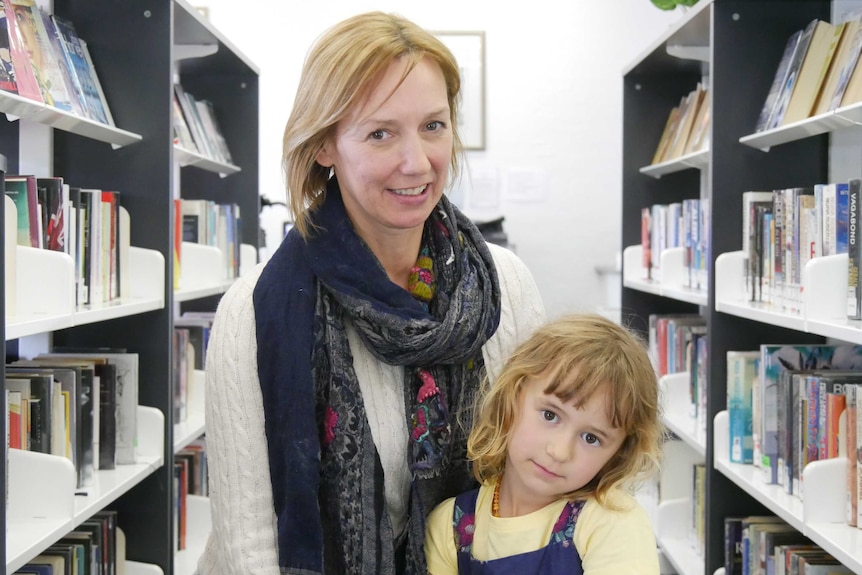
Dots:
(468, 47)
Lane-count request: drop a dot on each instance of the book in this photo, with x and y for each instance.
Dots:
(669, 125)
(778, 82)
(48, 75)
(850, 452)
(81, 72)
(782, 101)
(741, 372)
(824, 41)
(836, 78)
(94, 80)
(25, 78)
(854, 251)
(7, 67)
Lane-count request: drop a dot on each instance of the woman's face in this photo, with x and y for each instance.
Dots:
(392, 151)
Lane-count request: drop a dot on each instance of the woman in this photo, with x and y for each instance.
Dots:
(340, 372)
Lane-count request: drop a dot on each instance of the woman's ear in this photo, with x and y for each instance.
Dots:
(324, 158)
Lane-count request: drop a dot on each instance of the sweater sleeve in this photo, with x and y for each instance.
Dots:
(243, 536)
(521, 309)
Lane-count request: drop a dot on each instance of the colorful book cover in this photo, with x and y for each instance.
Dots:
(741, 371)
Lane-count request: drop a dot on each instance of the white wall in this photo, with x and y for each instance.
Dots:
(553, 106)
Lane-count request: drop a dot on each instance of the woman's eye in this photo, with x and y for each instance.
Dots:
(591, 439)
(434, 126)
(549, 415)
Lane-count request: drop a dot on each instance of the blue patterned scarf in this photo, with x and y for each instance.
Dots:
(327, 479)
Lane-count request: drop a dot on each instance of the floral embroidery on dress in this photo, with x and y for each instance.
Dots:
(464, 525)
(564, 528)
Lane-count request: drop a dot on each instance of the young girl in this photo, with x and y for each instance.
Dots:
(571, 421)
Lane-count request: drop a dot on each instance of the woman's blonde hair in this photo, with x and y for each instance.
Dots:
(579, 355)
(342, 68)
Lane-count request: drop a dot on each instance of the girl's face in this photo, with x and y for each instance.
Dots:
(554, 448)
(392, 152)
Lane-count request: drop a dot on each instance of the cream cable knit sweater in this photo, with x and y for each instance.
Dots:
(243, 537)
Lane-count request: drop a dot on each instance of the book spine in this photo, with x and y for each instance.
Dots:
(854, 257)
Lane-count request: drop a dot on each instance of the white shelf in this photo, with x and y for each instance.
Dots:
(824, 123)
(44, 504)
(17, 107)
(198, 526)
(677, 411)
(697, 160)
(195, 424)
(187, 157)
(824, 293)
(675, 538)
(45, 292)
(673, 276)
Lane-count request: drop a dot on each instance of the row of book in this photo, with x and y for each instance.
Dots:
(819, 71)
(208, 223)
(86, 224)
(678, 344)
(789, 405)
(190, 478)
(81, 405)
(678, 224)
(686, 129)
(42, 58)
(784, 229)
(196, 127)
(95, 547)
(766, 545)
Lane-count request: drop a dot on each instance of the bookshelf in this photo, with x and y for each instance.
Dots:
(139, 159)
(744, 41)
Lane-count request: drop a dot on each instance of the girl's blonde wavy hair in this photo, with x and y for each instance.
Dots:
(579, 355)
(342, 68)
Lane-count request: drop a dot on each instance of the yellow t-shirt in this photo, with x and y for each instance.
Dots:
(608, 542)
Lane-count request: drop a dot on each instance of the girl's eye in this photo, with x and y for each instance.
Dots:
(377, 135)
(591, 439)
(549, 415)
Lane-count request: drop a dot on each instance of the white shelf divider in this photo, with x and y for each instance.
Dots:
(677, 408)
(202, 272)
(136, 568)
(198, 526)
(674, 536)
(247, 258)
(195, 424)
(672, 273)
(108, 485)
(41, 504)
